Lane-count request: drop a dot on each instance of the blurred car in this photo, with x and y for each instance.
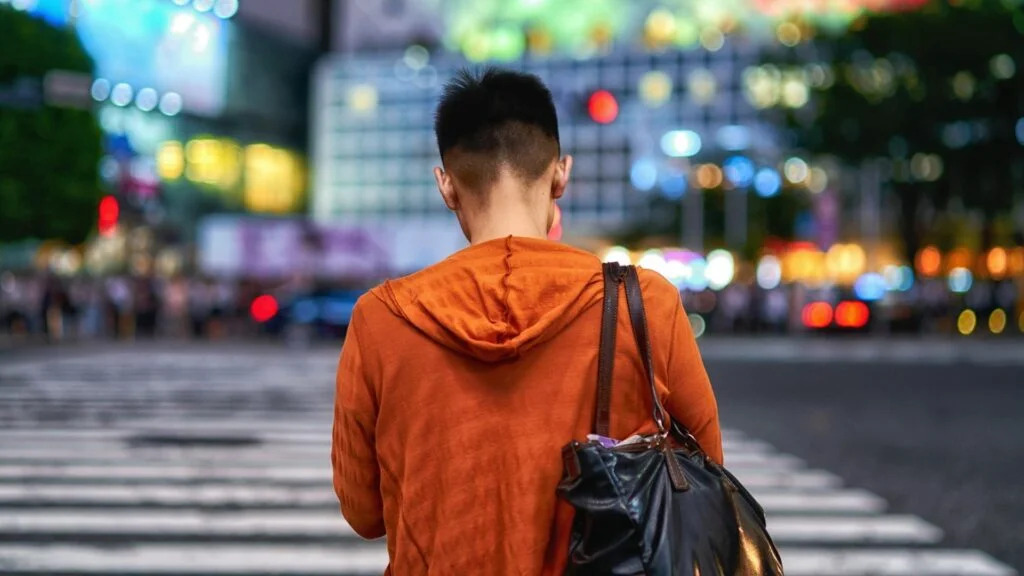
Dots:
(305, 317)
(836, 311)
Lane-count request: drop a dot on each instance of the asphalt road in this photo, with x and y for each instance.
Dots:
(870, 458)
(944, 442)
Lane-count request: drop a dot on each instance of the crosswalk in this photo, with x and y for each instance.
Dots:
(217, 464)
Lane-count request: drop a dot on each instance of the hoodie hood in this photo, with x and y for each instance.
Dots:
(498, 299)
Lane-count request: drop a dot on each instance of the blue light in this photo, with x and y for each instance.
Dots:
(907, 280)
(681, 143)
(734, 137)
(673, 186)
(1020, 131)
(960, 280)
(870, 287)
(898, 278)
(644, 174)
(740, 171)
(767, 182)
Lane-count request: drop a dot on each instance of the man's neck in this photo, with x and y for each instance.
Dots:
(506, 216)
(504, 229)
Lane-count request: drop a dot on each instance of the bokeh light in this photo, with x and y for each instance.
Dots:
(263, 308)
(769, 272)
(870, 287)
(697, 324)
(997, 321)
(617, 254)
(796, 170)
(960, 280)
(929, 261)
(709, 176)
(655, 88)
(852, 314)
(767, 183)
(603, 107)
(967, 322)
(817, 315)
(644, 174)
(997, 262)
(721, 268)
(681, 143)
(740, 170)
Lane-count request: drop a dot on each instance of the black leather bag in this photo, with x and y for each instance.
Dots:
(657, 507)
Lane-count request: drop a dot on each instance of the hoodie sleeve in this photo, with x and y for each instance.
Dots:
(690, 398)
(354, 450)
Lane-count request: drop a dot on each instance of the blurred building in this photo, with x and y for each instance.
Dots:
(203, 105)
(638, 125)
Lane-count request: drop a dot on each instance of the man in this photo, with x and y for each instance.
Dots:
(459, 385)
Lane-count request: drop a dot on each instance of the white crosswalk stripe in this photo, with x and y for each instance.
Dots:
(132, 478)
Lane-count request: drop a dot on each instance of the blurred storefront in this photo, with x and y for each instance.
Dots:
(202, 114)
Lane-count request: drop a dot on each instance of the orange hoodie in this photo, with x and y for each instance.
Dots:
(458, 387)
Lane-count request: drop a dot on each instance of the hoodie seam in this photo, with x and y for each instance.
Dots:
(506, 283)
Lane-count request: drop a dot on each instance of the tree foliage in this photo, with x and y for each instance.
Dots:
(944, 81)
(49, 156)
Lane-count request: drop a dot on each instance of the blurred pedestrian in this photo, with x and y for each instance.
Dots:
(175, 307)
(459, 386)
(147, 307)
(54, 308)
(200, 303)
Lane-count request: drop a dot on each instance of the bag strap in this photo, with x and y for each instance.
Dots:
(638, 318)
(606, 354)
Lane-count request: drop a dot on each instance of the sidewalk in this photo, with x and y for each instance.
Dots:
(891, 350)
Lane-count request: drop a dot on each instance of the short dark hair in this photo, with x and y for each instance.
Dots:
(495, 119)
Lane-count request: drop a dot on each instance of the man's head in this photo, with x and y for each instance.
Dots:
(497, 133)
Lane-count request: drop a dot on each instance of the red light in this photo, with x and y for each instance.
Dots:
(263, 308)
(852, 314)
(109, 212)
(817, 315)
(603, 107)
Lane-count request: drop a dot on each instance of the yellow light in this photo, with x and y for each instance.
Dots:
(274, 179)
(170, 160)
(845, 262)
(1020, 322)
(213, 162)
(709, 176)
(818, 180)
(789, 34)
(660, 27)
(796, 170)
(795, 91)
(967, 322)
(997, 321)
(363, 98)
(655, 88)
(762, 85)
(997, 262)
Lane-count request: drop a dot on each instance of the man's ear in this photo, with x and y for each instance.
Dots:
(447, 188)
(563, 167)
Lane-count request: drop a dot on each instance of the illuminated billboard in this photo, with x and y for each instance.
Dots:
(151, 44)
